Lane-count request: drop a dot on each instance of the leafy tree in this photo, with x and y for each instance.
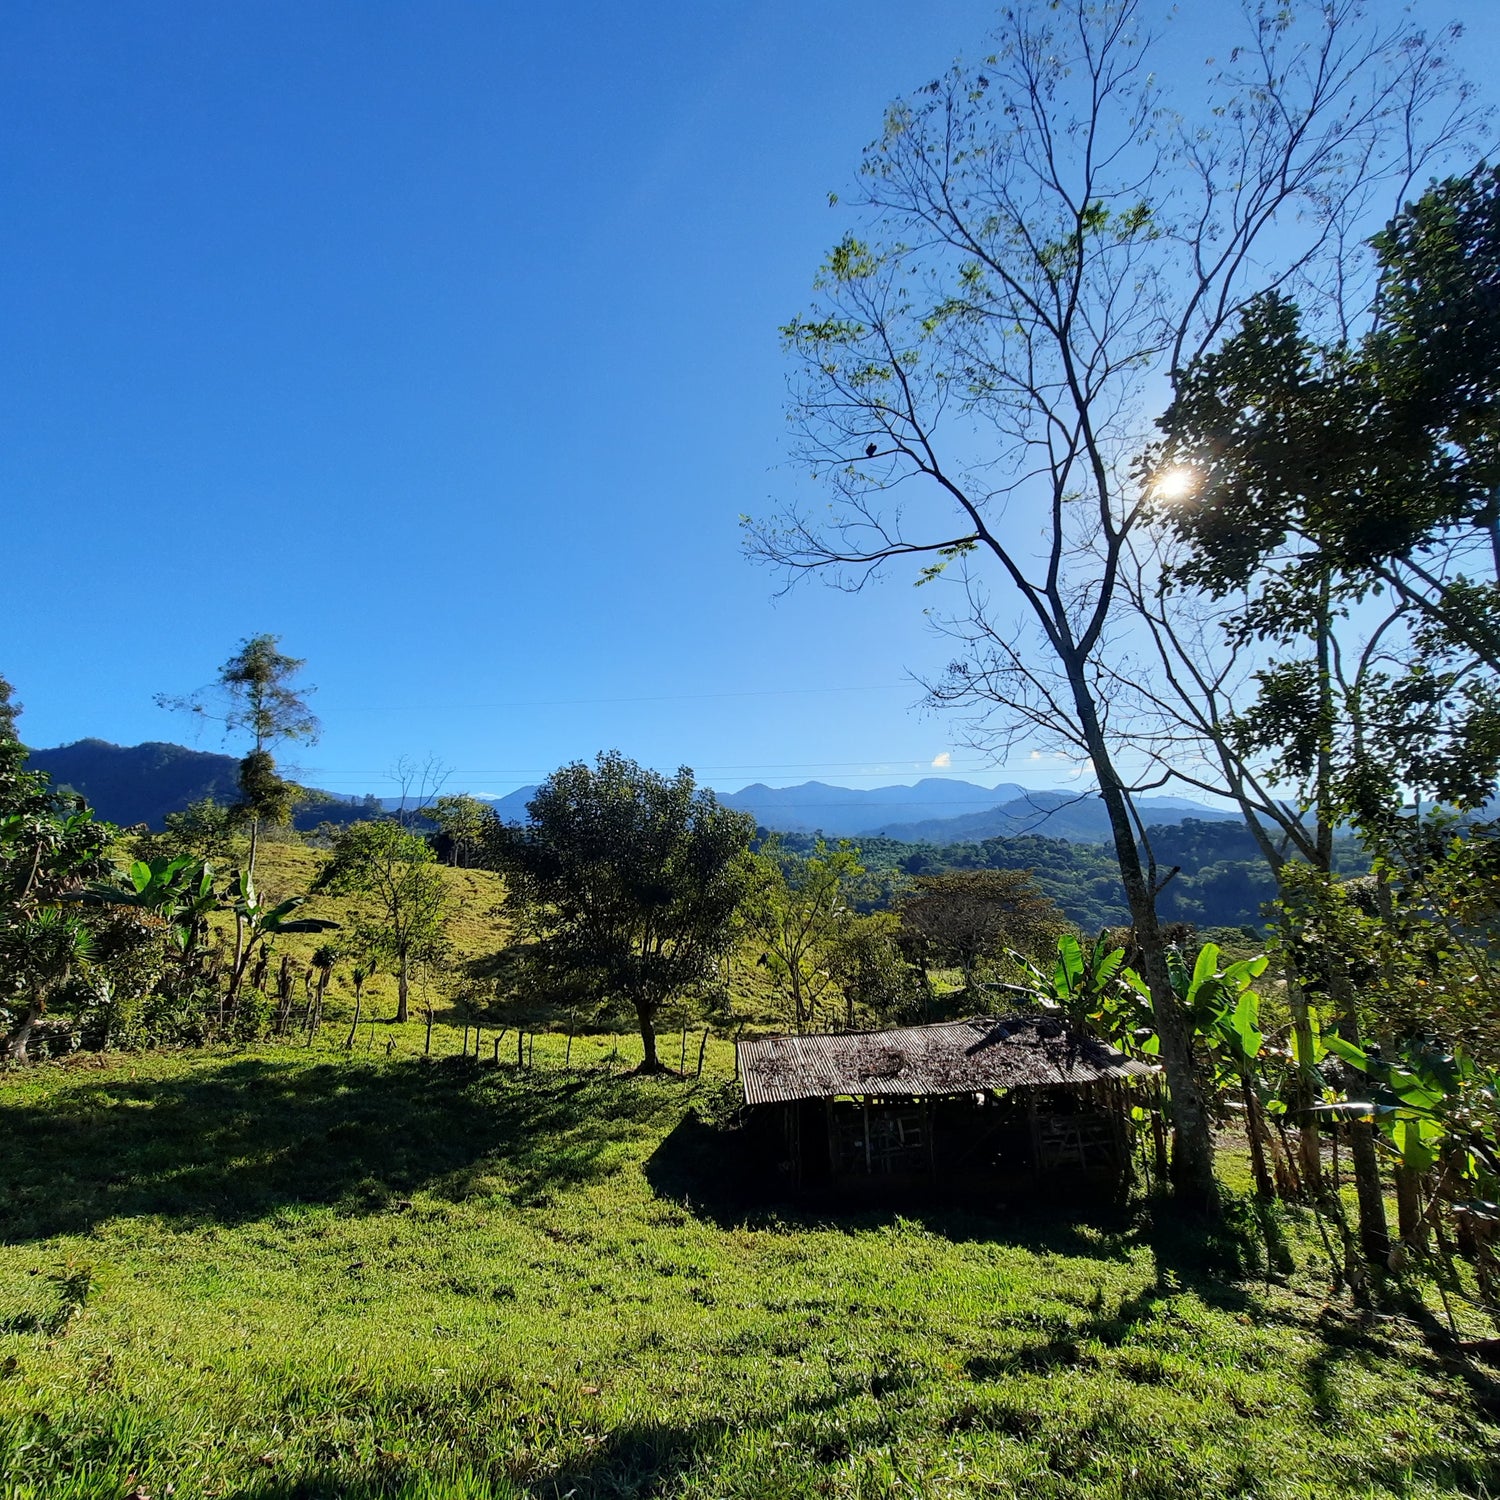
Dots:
(392, 871)
(1046, 237)
(204, 830)
(9, 712)
(798, 911)
(463, 827)
(256, 693)
(966, 918)
(49, 847)
(1325, 474)
(630, 880)
(873, 973)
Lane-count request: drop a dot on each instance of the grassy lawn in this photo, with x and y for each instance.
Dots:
(296, 1272)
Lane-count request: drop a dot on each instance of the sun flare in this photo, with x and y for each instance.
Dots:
(1176, 483)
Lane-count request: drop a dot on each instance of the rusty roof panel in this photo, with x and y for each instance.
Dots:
(948, 1057)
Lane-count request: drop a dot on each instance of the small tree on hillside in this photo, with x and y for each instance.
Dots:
(965, 918)
(630, 880)
(392, 872)
(799, 912)
(463, 827)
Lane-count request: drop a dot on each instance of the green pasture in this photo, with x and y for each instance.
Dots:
(294, 1271)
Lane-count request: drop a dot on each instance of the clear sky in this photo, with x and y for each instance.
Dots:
(440, 339)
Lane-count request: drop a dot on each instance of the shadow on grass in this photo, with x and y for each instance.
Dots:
(232, 1141)
(707, 1166)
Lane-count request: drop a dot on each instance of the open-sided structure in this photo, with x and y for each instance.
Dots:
(973, 1107)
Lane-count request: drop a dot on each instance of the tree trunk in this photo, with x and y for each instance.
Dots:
(354, 1025)
(20, 1039)
(403, 990)
(1309, 1149)
(1374, 1234)
(1192, 1146)
(650, 1063)
(1409, 1206)
(1263, 1187)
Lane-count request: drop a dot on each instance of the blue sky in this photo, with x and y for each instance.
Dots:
(440, 339)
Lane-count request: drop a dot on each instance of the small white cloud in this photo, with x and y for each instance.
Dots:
(1036, 755)
(942, 762)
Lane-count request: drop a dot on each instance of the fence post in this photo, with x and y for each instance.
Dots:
(702, 1048)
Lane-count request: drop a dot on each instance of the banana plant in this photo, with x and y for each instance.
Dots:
(261, 923)
(1430, 1105)
(1224, 1008)
(179, 891)
(1093, 988)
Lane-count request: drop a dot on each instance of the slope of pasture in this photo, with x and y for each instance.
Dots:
(476, 926)
(292, 1272)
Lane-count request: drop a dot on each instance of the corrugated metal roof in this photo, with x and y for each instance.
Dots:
(948, 1057)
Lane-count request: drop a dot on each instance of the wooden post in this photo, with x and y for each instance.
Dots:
(498, 1040)
(476, 1044)
(531, 1051)
(864, 1104)
(682, 1056)
(520, 1045)
(702, 1048)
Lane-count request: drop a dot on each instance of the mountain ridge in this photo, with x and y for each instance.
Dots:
(129, 784)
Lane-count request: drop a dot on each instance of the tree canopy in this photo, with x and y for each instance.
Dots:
(630, 881)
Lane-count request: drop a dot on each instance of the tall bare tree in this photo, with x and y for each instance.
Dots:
(1045, 238)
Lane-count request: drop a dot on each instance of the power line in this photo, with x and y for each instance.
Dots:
(393, 708)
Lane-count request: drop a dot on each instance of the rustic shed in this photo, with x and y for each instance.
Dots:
(973, 1107)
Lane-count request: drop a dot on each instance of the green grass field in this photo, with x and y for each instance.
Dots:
(296, 1272)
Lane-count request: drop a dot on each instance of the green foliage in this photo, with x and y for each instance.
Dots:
(261, 697)
(629, 881)
(1436, 1107)
(204, 829)
(48, 847)
(970, 919)
(870, 967)
(463, 825)
(10, 711)
(403, 901)
(1095, 991)
(797, 911)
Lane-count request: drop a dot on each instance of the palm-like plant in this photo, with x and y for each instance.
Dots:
(44, 950)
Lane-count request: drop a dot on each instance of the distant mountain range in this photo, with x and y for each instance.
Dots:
(946, 812)
(142, 783)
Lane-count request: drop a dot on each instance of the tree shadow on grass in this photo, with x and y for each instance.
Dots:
(232, 1141)
(710, 1166)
